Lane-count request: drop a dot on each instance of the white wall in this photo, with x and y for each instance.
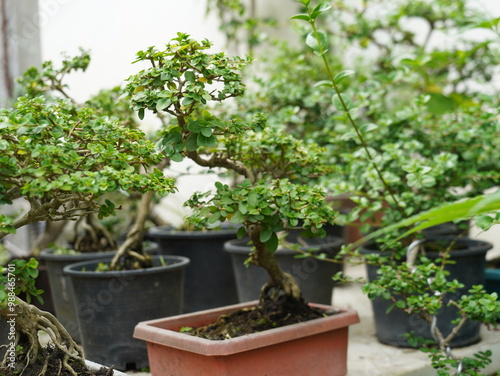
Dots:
(114, 30)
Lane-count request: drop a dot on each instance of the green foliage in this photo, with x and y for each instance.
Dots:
(276, 172)
(58, 152)
(443, 115)
(183, 77)
(16, 278)
(49, 78)
(400, 106)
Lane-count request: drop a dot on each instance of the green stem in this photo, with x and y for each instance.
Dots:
(352, 122)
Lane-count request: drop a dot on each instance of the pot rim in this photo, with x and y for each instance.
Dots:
(476, 246)
(74, 270)
(172, 232)
(242, 246)
(48, 254)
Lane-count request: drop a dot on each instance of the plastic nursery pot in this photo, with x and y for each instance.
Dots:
(209, 279)
(110, 304)
(492, 280)
(60, 284)
(313, 276)
(316, 347)
(468, 269)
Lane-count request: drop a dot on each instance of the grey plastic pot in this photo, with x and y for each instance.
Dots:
(60, 284)
(468, 269)
(110, 304)
(313, 276)
(209, 279)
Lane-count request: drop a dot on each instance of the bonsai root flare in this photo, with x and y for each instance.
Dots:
(29, 321)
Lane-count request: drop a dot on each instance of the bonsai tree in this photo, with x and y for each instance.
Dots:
(274, 171)
(413, 287)
(89, 234)
(61, 158)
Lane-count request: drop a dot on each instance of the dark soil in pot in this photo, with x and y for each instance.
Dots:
(266, 315)
(53, 357)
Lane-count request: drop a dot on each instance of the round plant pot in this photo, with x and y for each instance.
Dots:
(110, 304)
(60, 291)
(209, 279)
(492, 280)
(468, 268)
(60, 284)
(313, 276)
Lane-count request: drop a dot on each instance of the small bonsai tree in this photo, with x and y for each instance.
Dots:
(61, 158)
(274, 172)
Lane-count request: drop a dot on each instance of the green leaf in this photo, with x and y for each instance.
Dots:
(439, 104)
(214, 218)
(163, 103)
(321, 8)
(237, 218)
(207, 132)
(194, 126)
(173, 137)
(192, 142)
(253, 199)
(140, 113)
(241, 232)
(368, 127)
(323, 83)
(318, 42)
(302, 16)
(243, 207)
(190, 76)
(346, 101)
(266, 234)
(205, 141)
(272, 243)
(340, 76)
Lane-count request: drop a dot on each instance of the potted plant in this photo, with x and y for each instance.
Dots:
(90, 298)
(61, 158)
(273, 193)
(417, 285)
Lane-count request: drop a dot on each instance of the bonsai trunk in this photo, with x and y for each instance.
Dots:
(280, 281)
(27, 320)
(130, 255)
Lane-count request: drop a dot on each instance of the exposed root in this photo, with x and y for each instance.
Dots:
(29, 321)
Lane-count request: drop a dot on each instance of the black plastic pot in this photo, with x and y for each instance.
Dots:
(492, 280)
(468, 269)
(110, 304)
(60, 286)
(313, 276)
(209, 279)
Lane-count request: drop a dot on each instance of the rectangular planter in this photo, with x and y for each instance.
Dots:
(316, 347)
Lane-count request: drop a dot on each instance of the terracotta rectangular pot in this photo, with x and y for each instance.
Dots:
(316, 347)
